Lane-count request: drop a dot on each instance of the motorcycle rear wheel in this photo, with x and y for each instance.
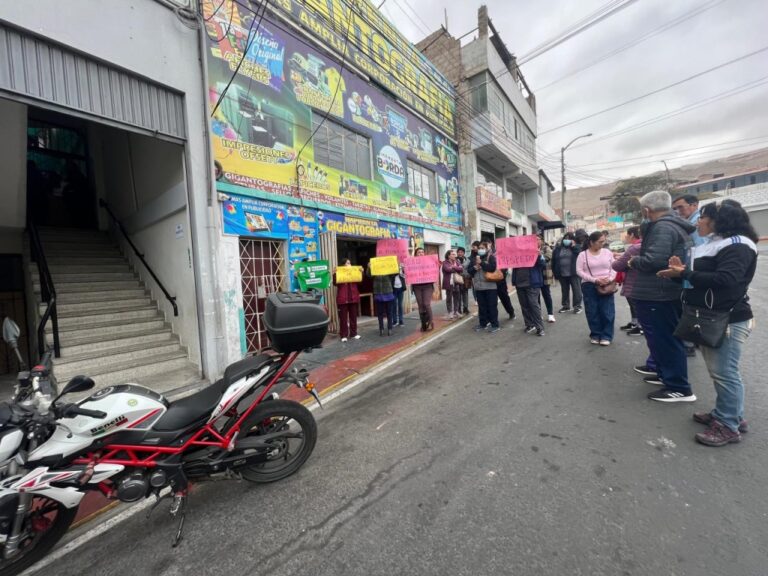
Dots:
(38, 543)
(286, 453)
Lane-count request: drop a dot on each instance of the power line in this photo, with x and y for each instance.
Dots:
(609, 10)
(425, 28)
(671, 152)
(653, 92)
(335, 95)
(248, 44)
(679, 111)
(211, 17)
(693, 155)
(655, 32)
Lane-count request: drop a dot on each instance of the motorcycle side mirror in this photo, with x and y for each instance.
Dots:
(11, 333)
(77, 384)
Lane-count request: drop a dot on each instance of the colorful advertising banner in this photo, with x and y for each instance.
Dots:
(315, 275)
(384, 266)
(358, 159)
(393, 247)
(517, 251)
(421, 269)
(349, 274)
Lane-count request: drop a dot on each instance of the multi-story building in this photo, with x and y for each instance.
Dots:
(749, 188)
(326, 130)
(329, 131)
(102, 107)
(497, 127)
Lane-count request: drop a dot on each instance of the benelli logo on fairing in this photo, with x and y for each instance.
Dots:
(119, 421)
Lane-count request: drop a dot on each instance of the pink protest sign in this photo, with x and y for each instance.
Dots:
(392, 247)
(517, 251)
(421, 269)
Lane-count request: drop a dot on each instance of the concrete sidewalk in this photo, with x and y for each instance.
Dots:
(331, 367)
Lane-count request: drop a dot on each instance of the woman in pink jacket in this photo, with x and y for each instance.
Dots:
(594, 267)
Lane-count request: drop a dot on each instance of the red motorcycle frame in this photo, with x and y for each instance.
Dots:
(207, 436)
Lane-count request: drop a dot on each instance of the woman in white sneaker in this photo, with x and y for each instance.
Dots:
(718, 277)
(594, 267)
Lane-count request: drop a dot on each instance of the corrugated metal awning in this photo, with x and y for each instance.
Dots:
(64, 79)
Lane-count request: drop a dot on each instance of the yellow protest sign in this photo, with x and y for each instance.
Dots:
(349, 274)
(384, 266)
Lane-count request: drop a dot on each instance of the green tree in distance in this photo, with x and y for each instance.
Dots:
(626, 196)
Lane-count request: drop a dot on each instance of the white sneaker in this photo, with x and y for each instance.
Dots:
(343, 339)
(357, 337)
(551, 319)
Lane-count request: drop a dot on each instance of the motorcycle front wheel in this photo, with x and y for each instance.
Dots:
(45, 524)
(295, 433)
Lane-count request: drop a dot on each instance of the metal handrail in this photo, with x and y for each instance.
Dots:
(47, 293)
(171, 299)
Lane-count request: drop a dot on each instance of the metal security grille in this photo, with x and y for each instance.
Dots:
(262, 265)
(57, 77)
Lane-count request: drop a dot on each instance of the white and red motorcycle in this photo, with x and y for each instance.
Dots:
(130, 443)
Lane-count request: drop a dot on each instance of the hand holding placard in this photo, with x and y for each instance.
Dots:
(421, 269)
(384, 266)
(349, 274)
(517, 251)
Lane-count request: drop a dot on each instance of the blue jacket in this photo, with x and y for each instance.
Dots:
(535, 276)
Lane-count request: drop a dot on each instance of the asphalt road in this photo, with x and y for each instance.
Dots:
(485, 455)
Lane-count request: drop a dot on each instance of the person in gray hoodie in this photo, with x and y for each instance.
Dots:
(657, 299)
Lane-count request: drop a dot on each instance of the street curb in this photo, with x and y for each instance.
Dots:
(350, 382)
(329, 394)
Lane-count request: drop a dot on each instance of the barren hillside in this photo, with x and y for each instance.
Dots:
(586, 200)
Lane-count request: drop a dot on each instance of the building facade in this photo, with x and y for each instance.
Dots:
(102, 105)
(507, 194)
(329, 131)
(718, 184)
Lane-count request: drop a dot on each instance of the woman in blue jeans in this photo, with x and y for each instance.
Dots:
(718, 277)
(594, 267)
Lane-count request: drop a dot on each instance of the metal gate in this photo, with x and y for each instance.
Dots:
(328, 252)
(262, 268)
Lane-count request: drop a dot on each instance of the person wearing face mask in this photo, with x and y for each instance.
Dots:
(485, 290)
(564, 270)
(461, 258)
(657, 299)
(474, 247)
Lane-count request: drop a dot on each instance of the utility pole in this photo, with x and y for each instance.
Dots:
(562, 176)
(667, 171)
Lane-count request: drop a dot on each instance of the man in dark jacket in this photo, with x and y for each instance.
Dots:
(528, 282)
(658, 299)
(564, 270)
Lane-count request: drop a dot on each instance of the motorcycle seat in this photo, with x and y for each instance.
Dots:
(186, 411)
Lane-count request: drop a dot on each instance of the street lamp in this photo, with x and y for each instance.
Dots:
(562, 176)
(667, 171)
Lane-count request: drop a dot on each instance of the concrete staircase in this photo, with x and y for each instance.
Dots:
(109, 327)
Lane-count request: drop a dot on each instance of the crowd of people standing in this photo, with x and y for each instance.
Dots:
(681, 263)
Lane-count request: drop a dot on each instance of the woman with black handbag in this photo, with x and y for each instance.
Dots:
(717, 314)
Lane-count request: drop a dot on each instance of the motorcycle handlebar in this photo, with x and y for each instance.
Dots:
(72, 410)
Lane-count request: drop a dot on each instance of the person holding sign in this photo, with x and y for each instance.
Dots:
(485, 275)
(384, 297)
(423, 294)
(528, 282)
(347, 299)
(452, 283)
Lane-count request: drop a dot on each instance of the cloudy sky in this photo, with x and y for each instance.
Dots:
(728, 29)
